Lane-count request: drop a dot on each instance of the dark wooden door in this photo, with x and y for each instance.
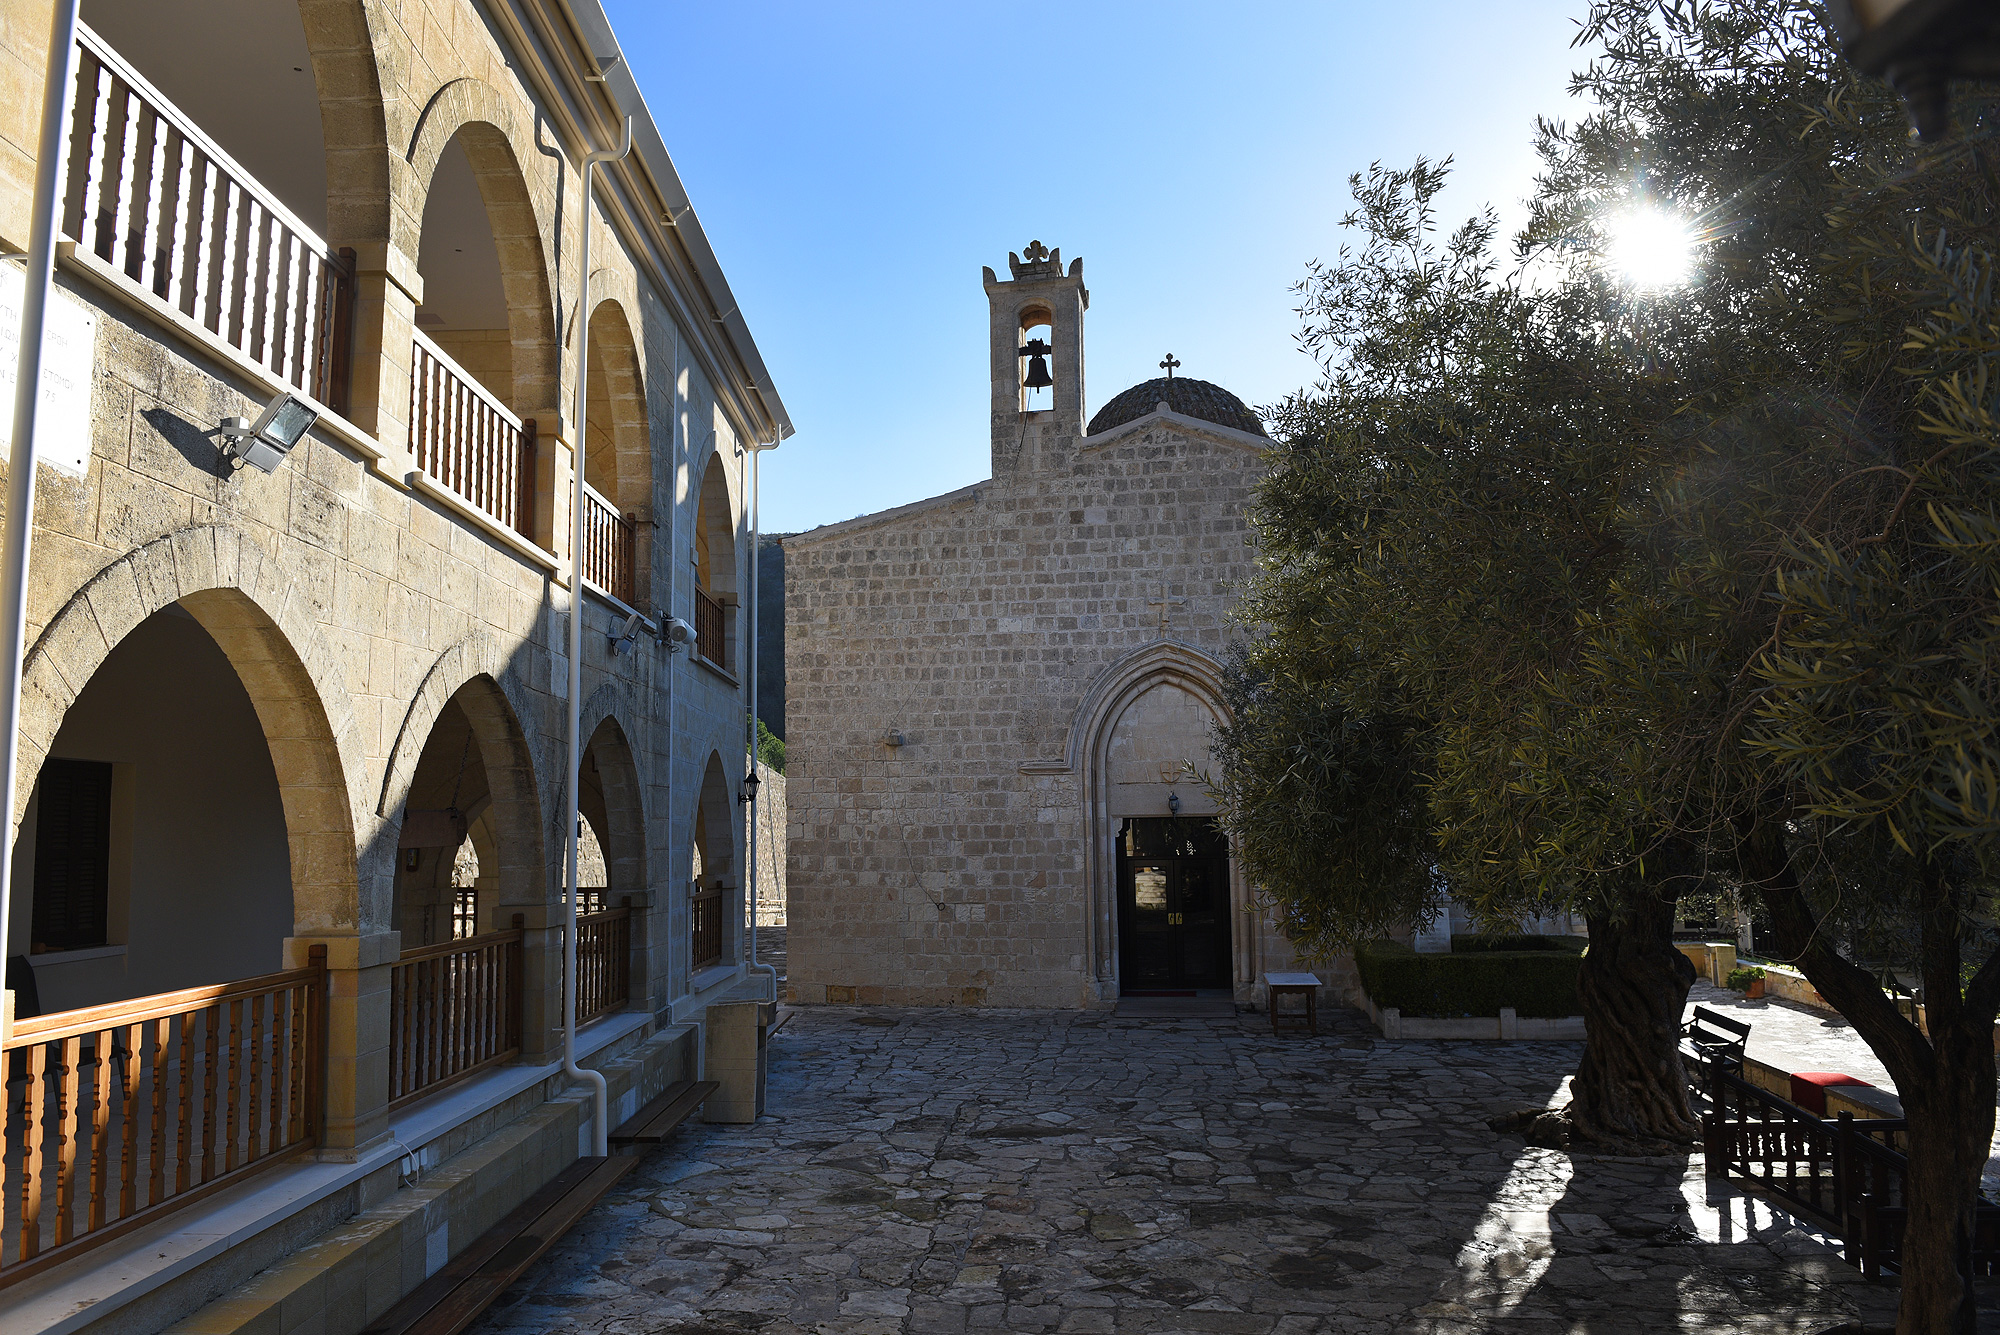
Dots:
(1173, 904)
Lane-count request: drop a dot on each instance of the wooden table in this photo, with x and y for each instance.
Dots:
(1304, 985)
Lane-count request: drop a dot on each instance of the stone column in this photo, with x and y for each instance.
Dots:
(356, 1035)
(639, 995)
(385, 316)
(541, 977)
(554, 458)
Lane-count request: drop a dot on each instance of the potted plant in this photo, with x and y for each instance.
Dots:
(1747, 979)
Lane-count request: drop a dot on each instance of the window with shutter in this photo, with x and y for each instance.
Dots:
(72, 855)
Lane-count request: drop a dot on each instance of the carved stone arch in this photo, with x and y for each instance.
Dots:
(715, 518)
(615, 794)
(476, 677)
(618, 392)
(347, 39)
(476, 655)
(264, 624)
(523, 221)
(1128, 677)
(1116, 688)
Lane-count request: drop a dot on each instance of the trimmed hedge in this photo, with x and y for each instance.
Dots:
(1483, 943)
(1538, 984)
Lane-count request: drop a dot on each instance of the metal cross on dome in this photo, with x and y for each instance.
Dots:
(1168, 365)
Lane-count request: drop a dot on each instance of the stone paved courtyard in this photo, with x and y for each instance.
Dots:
(945, 1171)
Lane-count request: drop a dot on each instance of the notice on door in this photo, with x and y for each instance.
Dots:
(62, 425)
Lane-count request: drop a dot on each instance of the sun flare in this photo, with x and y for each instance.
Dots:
(1650, 248)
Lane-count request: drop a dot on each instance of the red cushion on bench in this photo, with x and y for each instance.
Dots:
(1809, 1088)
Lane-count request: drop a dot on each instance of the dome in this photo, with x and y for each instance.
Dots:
(1189, 398)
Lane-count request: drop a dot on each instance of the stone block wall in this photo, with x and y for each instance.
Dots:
(939, 658)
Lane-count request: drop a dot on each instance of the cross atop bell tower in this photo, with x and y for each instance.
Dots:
(1036, 347)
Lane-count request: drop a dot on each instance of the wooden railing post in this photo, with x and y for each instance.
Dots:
(1714, 1126)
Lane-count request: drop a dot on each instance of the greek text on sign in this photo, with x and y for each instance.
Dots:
(62, 425)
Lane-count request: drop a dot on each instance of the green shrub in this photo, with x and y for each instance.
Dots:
(1539, 984)
(1740, 978)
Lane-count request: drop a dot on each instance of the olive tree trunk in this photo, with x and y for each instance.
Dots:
(1630, 1090)
(1944, 1079)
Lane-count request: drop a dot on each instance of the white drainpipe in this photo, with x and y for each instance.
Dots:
(600, 1109)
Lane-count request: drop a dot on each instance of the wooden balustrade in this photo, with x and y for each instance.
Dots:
(468, 441)
(603, 963)
(610, 547)
(707, 928)
(1844, 1172)
(117, 1114)
(454, 1008)
(155, 199)
(708, 628)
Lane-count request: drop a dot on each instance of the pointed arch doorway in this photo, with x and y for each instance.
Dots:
(1167, 901)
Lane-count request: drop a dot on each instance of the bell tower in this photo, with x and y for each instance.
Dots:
(1036, 341)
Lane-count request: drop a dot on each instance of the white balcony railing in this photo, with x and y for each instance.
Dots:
(609, 546)
(468, 441)
(155, 199)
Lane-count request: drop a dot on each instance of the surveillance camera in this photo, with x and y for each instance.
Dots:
(675, 632)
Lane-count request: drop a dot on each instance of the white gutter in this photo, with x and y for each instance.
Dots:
(601, 1111)
(20, 518)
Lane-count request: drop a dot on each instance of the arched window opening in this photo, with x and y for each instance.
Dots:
(1038, 337)
(178, 46)
(219, 214)
(449, 798)
(465, 304)
(618, 460)
(712, 884)
(484, 355)
(154, 853)
(715, 568)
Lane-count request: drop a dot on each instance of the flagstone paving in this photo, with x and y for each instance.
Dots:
(964, 1171)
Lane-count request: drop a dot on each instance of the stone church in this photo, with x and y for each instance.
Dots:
(994, 695)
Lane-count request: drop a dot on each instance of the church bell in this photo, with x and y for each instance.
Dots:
(1037, 352)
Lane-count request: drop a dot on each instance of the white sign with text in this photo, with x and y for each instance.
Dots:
(62, 426)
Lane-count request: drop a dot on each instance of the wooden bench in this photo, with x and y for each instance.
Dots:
(1711, 1037)
(453, 1298)
(659, 1119)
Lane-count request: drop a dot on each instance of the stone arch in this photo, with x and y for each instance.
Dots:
(263, 623)
(475, 115)
(476, 655)
(619, 455)
(344, 38)
(478, 719)
(712, 843)
(611, 795)
(1118, 688)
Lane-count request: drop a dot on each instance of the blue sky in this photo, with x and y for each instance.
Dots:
(855, 164)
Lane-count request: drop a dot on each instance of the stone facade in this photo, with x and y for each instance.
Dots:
(773, 814)
(404, 649)
(981, 686)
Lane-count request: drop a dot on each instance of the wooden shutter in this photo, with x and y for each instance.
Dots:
(72, 854)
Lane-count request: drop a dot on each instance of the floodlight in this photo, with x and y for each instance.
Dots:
(263, 444)
(626, 632)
